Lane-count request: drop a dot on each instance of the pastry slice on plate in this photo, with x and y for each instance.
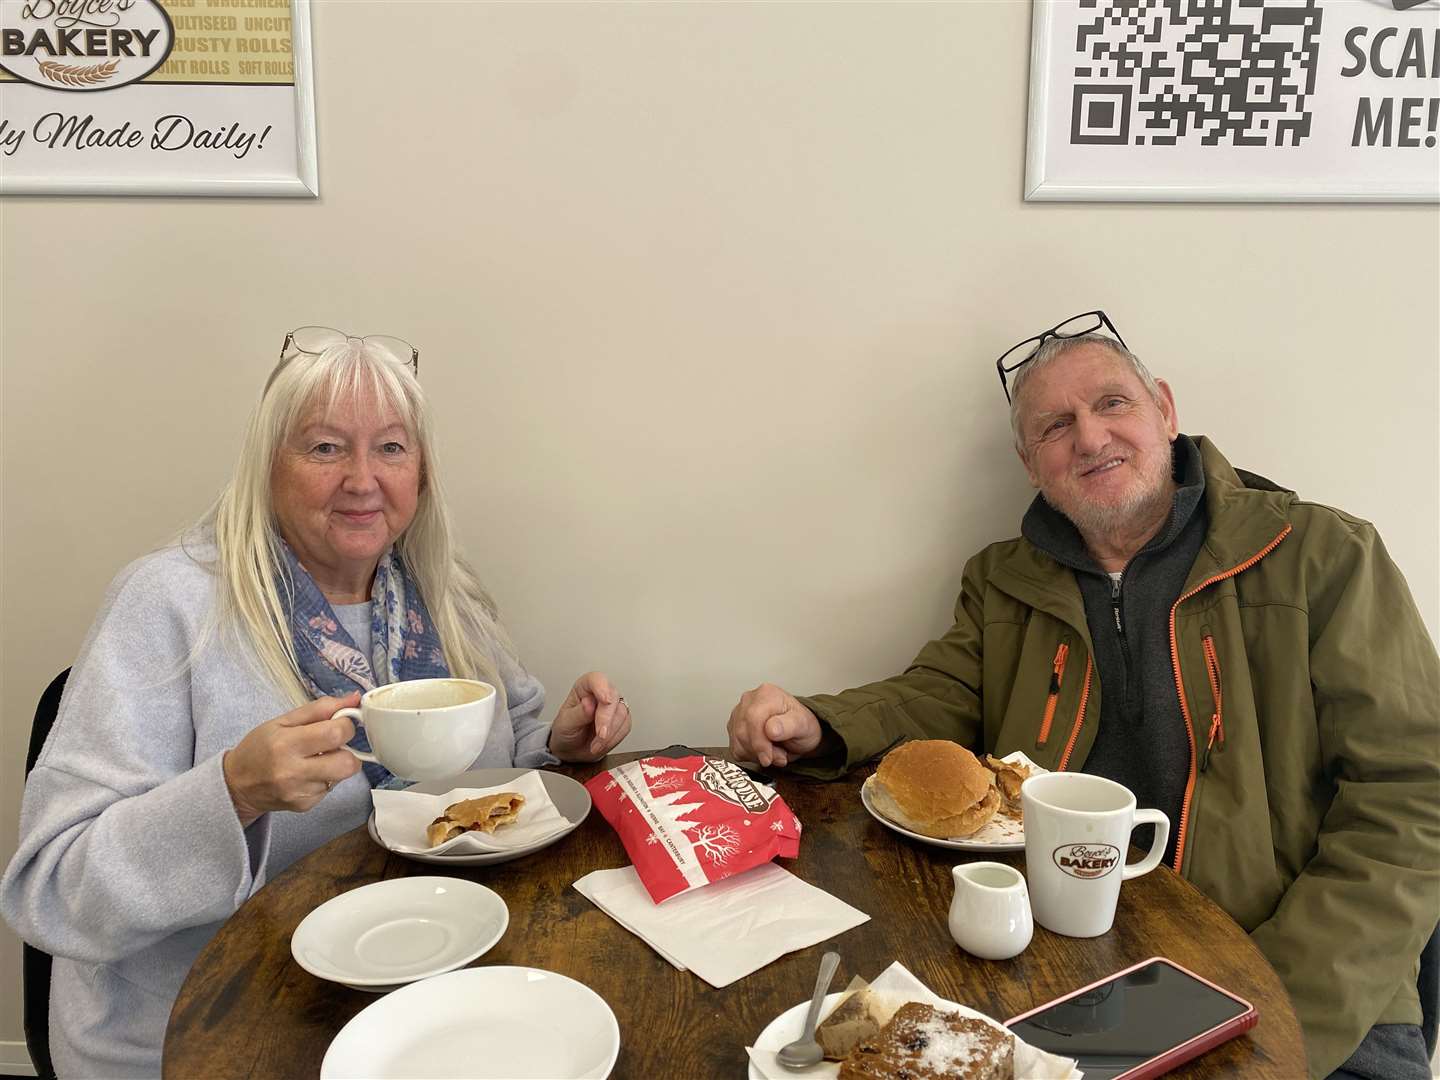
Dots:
(484, 814)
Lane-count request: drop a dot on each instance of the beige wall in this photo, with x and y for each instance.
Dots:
(708, 299)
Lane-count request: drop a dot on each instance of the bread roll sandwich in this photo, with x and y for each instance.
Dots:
(935, 788)
(485, 814)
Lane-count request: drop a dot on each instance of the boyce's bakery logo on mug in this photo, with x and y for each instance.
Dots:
(83, 44)
(1087, 860)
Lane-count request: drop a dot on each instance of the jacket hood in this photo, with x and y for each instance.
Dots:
(1248, 513)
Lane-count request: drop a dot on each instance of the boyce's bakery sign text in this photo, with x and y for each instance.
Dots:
(156, 97)
(83, 44)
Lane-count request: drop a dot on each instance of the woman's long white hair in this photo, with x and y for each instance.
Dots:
(252, 577)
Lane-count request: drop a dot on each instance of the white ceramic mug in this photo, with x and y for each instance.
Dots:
(425, 729)
(1077, 833)
(990, 913)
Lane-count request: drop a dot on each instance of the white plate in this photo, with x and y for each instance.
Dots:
(486, 1022)
(998, 834)
(787, 1026)
(381, 936)
(569, 797)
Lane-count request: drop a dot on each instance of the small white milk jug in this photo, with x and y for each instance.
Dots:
(990, 914)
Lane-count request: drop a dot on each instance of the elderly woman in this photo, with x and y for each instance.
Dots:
(196, 753)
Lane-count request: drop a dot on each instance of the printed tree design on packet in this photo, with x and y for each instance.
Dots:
(670, 815)
(688, 822)
(651, 771)
(718, 842)
(663, 777)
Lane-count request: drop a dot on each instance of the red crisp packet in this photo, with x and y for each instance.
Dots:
(688, 821)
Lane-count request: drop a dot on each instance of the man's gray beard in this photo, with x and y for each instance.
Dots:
(1118, 521)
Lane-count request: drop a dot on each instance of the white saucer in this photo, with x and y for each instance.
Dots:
(998, 834)
(486, 1022)
(569, 797)
(381, 936)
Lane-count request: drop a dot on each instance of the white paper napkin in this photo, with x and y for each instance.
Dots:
(896, 979)
(402, 816)
(728, 929)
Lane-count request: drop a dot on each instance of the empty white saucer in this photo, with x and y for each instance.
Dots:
(394, 932)
(484, 1022)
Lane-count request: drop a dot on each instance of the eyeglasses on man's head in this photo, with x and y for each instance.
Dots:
(1017, 356)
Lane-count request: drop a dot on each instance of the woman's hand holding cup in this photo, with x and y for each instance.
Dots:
(292, 761)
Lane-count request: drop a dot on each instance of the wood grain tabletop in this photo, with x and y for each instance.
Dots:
(247, 1009)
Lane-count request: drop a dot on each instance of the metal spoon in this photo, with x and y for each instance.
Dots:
(805, 1051)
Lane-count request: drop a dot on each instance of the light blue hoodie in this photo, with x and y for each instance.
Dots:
(131, 855)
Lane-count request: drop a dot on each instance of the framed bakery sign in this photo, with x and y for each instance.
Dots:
(156, 97)
(1256, 100)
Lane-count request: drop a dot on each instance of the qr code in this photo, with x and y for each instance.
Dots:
(1159, 71)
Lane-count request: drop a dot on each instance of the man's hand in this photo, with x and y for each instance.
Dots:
(770, 726)
(292, 761)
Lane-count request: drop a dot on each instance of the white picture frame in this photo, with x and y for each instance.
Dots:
(169, 158)
(1357, 129)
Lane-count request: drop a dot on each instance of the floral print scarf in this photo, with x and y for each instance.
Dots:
(403, 641)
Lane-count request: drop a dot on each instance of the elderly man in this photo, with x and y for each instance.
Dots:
(1248, 662)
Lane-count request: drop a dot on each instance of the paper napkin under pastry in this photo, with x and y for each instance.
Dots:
(401, 818)
(896, 980)
(728, 929)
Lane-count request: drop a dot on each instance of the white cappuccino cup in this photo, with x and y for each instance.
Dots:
(425, 729)
(1077, 834)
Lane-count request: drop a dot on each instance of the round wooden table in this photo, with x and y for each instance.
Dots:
(247, 1009)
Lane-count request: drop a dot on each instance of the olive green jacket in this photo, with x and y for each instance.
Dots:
(1313, 815)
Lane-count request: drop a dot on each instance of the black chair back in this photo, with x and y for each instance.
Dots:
(35, 964)
(1430, 991)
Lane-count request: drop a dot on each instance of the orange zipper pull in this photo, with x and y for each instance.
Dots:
(1217, 729)
(1057, 672)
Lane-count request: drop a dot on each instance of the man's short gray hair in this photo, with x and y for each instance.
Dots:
(1056, 347)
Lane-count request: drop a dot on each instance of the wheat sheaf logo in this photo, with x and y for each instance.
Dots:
(76, 74)
(83, 45)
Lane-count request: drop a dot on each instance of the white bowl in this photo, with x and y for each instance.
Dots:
(487, 1023)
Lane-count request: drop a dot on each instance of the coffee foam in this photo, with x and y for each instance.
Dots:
(429, 694)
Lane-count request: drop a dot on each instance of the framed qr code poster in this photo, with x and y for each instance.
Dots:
(1246, 100)
(156, 97)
